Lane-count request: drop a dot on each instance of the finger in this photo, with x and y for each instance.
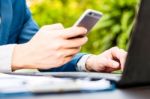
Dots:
(109, 63)
(108, 66)
(120, 55)
(67, 52)
(115, 52)
(72, 52)
(123, 58)
(57, 26)
(73, 32)
(112, 64)
(109, 70)
(76, 42)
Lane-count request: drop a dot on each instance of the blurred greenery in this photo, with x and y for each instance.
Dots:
(112, 30)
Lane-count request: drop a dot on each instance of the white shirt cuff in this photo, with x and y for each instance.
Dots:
(6, 52)
(82, 62)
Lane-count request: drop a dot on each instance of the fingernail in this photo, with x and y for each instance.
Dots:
(85, 30)
(81, 28)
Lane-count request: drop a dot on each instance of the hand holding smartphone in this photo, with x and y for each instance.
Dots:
(89, 19)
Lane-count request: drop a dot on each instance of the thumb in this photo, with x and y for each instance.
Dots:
(73, 32)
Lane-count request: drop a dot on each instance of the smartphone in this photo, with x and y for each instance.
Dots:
(89, 19)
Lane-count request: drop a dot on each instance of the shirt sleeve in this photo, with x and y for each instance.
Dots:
(6, 57)
(29, 28)
(82, 62)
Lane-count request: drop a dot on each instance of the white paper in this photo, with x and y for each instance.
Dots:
(18, 83)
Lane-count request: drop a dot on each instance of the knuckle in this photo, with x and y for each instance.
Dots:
(58, 46)
(59, 55)
(60, 35)
(123, 51)
(60, 25)
(115, 48)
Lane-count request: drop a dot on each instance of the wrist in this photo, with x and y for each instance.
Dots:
(17, 58)
(81, 63)
(89, 63)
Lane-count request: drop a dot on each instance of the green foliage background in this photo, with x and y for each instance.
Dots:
(112, 30)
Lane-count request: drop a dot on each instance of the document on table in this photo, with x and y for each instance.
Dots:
(40, 84)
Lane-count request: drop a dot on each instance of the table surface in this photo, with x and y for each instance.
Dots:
(132, 93)
(129, 93)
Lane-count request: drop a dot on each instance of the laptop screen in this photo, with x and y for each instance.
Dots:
(137, 67)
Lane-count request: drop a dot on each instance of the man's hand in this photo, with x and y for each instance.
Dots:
(111, 60)
(51, 47)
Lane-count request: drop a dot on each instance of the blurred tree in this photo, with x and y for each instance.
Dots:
(112, 30)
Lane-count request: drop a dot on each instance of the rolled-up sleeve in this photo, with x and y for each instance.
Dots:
(6, 52)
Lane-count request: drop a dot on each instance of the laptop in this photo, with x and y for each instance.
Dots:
(137, 66)
(137, 70)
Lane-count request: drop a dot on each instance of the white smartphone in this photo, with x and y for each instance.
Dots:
(89, 19)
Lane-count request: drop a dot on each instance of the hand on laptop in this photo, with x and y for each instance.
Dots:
(110, 60)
